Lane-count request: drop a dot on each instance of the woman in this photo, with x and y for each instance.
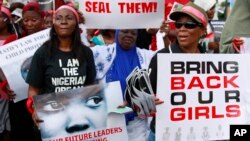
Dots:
(65, 52)
(32, 21)
(115, 62)
(190, 23)
(101, 37)
(19, 116)
(6, 29)
(63, 57)
(123, 56)
(48, 19)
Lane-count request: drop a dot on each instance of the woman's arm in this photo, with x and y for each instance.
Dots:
(33, 91)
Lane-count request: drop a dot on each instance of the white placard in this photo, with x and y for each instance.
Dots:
(203, 95)
(14, 57)
(122, 14)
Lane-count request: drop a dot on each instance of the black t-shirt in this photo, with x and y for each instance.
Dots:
(60, 71)
(153, 74)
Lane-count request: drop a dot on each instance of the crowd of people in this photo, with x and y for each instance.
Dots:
(104, 55)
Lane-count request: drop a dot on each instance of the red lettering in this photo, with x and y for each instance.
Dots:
(130, 7)
(190, 115)
(230, 81)
(233, 111)
(177, 114)
(139, 7)
(177, 83)
(214, 115)
(149, 7)
(97, 7)
(122, 4)
(108, 8)
(207, 112)
(209, 82)
(88, 6)
(196, 82)
(94, 7)
(201, 111)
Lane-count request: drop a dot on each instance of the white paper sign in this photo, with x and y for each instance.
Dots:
(203, 95)
(24, 47)
(122, 14)
(246, 45)
(176, 6)
(15, 58)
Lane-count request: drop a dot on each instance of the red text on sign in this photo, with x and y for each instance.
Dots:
(211, 82)
(140, 7)
(97, 7)
(203, 112)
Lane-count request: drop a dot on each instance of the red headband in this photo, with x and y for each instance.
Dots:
(6, 11)
(69, 8)
(34, 6)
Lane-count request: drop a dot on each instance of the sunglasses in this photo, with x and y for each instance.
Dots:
(188, 25)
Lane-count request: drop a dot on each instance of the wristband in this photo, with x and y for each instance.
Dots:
(3, 85)
(29, 105)
(236, 48)
(152, 114)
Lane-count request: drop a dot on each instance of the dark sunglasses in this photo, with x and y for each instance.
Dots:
(188, 25)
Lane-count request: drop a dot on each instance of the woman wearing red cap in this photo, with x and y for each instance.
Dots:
(190, 24)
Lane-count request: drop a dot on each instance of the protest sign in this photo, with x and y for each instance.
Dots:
(83, 114)
(218, 27)
(139, 92)
(24, 47)
(15, 61)
(203, 95)
(246, 45)
(46, 5)
(176, 6)
(122, 14)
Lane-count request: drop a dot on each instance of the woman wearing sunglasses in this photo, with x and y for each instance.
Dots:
(190, 22)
